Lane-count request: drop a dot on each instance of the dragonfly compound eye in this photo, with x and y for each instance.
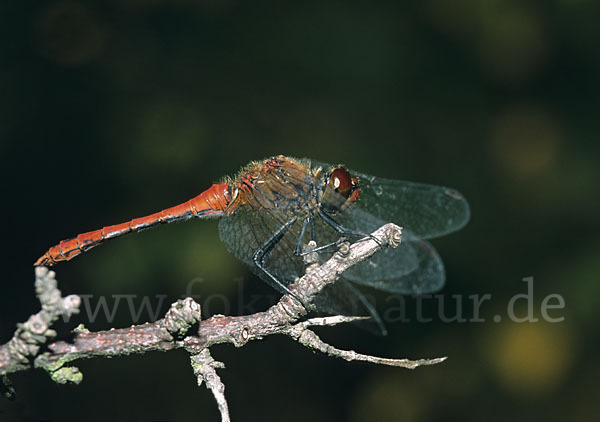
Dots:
(341, 190)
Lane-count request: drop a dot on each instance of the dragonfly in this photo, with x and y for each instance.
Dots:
(275, 209)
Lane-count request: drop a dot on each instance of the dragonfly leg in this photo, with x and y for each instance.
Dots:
(313, 231)
(345, 230)
(323, 248)
(301, 236)
(266, 248)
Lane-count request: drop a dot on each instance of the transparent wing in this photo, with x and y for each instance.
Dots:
(248, 229)
(414, 267)
(427, 277)
(428, 211)
(343, 298)
(244, 232)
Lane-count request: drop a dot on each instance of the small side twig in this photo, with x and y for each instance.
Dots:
(309, 339)
(204, 367)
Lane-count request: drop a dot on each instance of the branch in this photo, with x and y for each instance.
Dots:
(25, 344)
(24, 350)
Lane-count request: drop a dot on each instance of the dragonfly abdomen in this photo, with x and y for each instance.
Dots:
(211, 202)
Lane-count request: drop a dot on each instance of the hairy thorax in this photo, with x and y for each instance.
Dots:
(279, 182)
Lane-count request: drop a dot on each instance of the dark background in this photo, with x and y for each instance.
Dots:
(113, 110)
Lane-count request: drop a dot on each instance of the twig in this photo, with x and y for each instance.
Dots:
(309, 339)
(23, 350)
(204, 367)
(30, 335)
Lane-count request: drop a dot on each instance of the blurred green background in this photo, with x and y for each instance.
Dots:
(116, 109)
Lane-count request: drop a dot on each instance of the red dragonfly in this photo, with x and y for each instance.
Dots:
(273, 208)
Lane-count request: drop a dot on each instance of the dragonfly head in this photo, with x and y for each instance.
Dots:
(341, 190)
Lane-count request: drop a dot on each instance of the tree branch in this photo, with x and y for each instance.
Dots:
(24, 349)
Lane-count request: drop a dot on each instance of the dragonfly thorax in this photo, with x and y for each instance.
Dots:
(280, 182)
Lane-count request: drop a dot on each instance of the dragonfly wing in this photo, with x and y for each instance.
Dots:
(414, 267)
(250, 227)
(427, 277)
(343, 298)
(244, 232)
(428, 211)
